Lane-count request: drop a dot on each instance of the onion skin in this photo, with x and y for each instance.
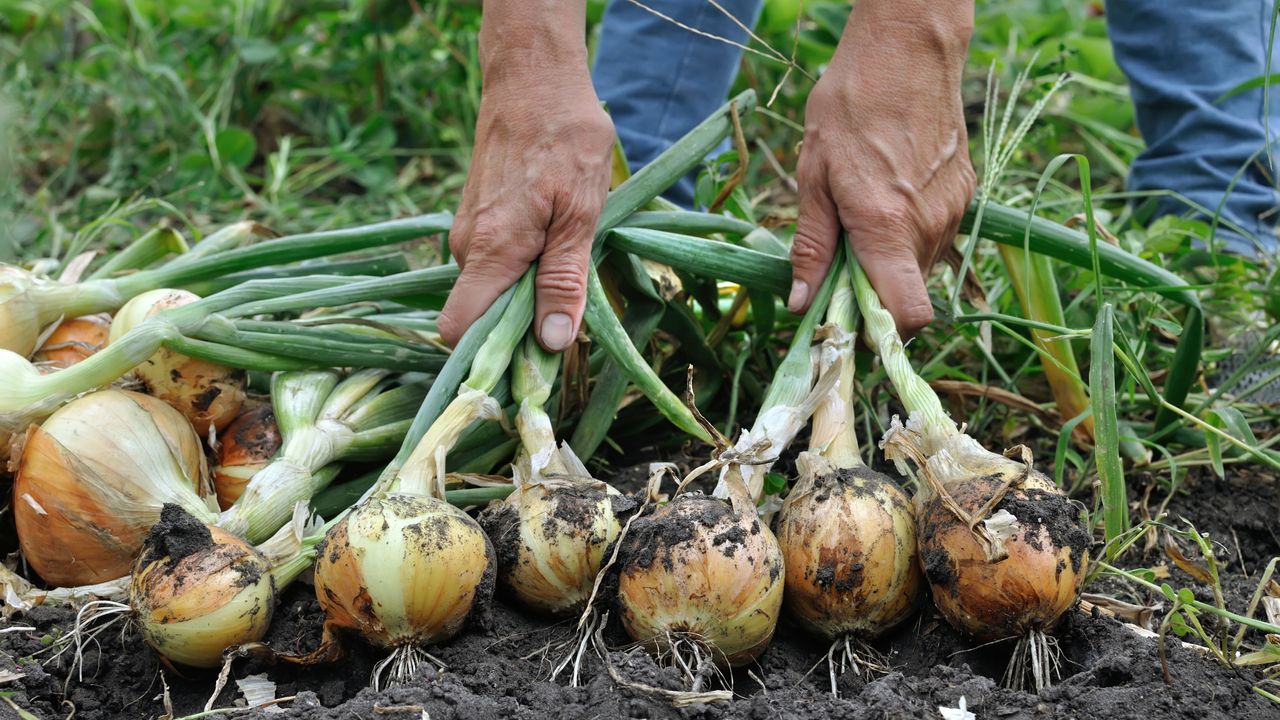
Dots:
(701, 568)
(849, 547)
(219, 596)
(248, 444)
(74, 340)
(207, 394)
(1030, 589)
(92, 479)
(550, 537)
(19, 315)
(404, 570)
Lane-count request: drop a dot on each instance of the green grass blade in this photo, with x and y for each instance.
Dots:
(1115, 500)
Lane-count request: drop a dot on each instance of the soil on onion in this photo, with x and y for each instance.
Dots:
(500, 668)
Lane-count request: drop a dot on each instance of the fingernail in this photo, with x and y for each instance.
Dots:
(799, 295)
(557, 331)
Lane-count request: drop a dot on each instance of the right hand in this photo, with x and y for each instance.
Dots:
(538, 180)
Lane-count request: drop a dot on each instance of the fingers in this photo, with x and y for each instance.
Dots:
(561, 282)
(492, 257)
(889, 249)
(817, 229)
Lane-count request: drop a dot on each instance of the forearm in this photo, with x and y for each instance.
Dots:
(542, 41)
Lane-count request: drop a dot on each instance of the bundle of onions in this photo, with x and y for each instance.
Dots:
(322, 418)
(245, 447)
(701, 580)
(552, 531)
(92, 480)
(1002, 547)
(207, 394)
(74, 340)
(847, 532)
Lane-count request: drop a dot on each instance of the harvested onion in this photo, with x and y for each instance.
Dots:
(206, 393)
(248, 445)
(198, 590)
(92, 480)
(74, 340)
(704, 571)
(551, 533)
(404, 571)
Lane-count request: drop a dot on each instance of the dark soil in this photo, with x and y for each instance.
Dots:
(500, 669)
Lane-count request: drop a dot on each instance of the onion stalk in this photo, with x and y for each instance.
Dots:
(322, 418)
(847, 532)
(1002, 547)
(552, 531)
(92, 480)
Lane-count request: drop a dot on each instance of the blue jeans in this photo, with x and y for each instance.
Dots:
(660, 80)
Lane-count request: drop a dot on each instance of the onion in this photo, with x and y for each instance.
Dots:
(404, 571)
(1045, 553)
(849, 545)
(205, 393)
(74, 340)
(92, 480)
(20, 321)
(703, 572)
(198, 590)
(248, 445)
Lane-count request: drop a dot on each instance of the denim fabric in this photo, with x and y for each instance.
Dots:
(659, 79)
(1180, 57)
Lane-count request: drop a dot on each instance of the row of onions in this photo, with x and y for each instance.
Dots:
(149, 476)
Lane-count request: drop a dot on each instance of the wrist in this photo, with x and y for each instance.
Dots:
(932, 33)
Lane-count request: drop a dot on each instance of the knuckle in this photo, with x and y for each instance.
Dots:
(807, 249)
(561, 282)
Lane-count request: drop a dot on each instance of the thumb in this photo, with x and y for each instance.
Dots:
(817, 229)
(561, 283)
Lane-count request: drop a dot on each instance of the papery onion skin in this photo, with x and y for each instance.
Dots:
(19, 315)
(551, 537)
(191, 610)
(74, 340)
(92, 479)
(1030, 589)
(247, 446)
(205, 393)
(849, 548)
(404, 570)
(698, 568)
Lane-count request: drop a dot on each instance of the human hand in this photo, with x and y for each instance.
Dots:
(538, 180)
(885, 156)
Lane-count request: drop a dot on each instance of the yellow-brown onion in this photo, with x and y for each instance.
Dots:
(74, 340)
(550, 536)
(247, 446)
(705, 569)
(1031, 588)
(205, 393)
(92, 480)
(848, 543)
(193, 597)
(404, 570)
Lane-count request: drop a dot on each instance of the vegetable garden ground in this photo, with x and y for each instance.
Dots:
(139, 124)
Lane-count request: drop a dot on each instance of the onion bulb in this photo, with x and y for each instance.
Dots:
(247, 446)
(92, 479)
(20, 322)
(205, 393)
(403, 571)
(849, 547)
(705, 570)
(550, 538)
(198, 590)
(74, 340)
(1038, 533)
